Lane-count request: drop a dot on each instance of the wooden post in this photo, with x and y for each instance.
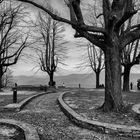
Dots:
(15, 93)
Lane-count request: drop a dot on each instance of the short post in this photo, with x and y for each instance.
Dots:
(15, 93)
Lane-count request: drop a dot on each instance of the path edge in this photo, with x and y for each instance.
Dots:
(29, 131)
(18, 106)
(107, 128)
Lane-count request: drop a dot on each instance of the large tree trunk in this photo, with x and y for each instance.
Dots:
(126, 77)
(51, 82)
(113, 97)
(97, 79)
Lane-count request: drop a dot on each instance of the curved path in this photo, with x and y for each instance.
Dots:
(44, 114)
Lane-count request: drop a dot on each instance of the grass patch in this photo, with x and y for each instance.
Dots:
(86, 102)
(8, 98)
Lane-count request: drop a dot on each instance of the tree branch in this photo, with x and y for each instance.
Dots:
(16, 54)
(129, 37)
(74, 24)
(125, 17)
(93, 39)
(77, 10)
(106, 11)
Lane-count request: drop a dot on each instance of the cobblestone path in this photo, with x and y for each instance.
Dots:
(44, 114)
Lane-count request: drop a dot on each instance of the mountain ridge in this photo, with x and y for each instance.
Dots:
(71, 80)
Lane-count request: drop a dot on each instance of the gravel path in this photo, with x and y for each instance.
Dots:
(44, 114)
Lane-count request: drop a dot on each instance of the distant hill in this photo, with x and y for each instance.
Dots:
(72, 80)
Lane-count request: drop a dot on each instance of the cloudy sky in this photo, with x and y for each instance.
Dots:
(74, 53)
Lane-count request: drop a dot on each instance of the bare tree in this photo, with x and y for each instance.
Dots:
(12, 38)
(92, 59)
(109, 38)
(96, 60)
(7, 78)
(51, 46)
(130, 57)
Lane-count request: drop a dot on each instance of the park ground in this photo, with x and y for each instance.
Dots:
(46, 116)
(87, 104)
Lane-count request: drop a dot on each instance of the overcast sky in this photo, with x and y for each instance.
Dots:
(74, 53)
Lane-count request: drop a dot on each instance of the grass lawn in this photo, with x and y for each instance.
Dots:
(86, 102)
(8, 98)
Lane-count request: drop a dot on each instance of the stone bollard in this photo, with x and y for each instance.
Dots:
(15, 93)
